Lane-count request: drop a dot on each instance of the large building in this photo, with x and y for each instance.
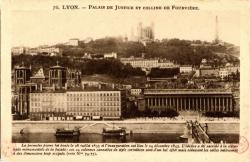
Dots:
(18, 50)
(73, 78)
(186, 68)
(44, 105)
(189, 100)
(73, 42)
(45, 50)
(110, 55)
(147, 63)
(57, 76)
(21, 106)
(52, 51)
(75, 104)
(22, 75)
(140, 62)
(145, 34)
(209, 72)
(223, 73)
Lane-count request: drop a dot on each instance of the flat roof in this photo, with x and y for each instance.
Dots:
(185, 91)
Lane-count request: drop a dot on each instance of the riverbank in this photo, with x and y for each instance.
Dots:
(135, 126)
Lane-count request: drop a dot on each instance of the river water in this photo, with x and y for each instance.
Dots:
(133, 138)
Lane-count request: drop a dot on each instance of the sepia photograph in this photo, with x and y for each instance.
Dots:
(80, 77)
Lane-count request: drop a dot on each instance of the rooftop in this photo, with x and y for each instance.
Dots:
(75, 90)
(186, 91)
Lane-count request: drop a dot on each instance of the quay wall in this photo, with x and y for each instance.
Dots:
(134, 126)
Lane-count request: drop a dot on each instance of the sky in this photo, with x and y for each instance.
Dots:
(34, 28)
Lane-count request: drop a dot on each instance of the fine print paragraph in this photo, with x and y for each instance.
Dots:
(97, 149)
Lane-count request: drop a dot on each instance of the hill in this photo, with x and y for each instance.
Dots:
(179, 51)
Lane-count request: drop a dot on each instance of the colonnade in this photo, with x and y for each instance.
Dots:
(194, 103)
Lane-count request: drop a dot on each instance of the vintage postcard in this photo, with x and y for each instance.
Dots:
(125, 80)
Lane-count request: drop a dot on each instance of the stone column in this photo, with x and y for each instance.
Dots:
(185, 105)
(177, 104)
(199, 103)
(166, 102)
(230, 104)
(191, 103)
(170, 102)
(212, 104)
(188, 103)
(181, 102)
(215, 106)
(208, 104)
(204, 104)
(174, 102)
(196, 104)
(227, 108)
(219, 104)
(223, 103)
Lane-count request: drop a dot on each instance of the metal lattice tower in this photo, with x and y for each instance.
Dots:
(216, 40)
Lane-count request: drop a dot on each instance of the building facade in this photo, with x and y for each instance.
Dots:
(136, 91)
(57, 76)
(140, 62)
(73, 104)
(73, 42)
(209, 72)
(46, 50)
(186, 69)
(73, 78)
(48, 106)
(147, 63)
(22, 75)
(189, 100)
(110, 55)
(22, 104)
(18, 50)
(223, 73)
